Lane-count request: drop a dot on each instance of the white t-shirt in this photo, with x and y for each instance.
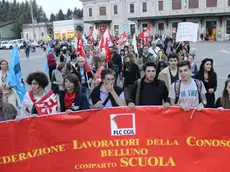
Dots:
(188, 93)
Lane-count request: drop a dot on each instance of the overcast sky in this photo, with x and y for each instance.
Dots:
(53, 6)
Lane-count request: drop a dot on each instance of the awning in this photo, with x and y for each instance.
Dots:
(180, 16)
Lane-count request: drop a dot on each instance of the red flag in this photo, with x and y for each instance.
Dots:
(80, 52)
(123, 38)
(91, 35)
(145, 35)
(108, 55)
(106, 35)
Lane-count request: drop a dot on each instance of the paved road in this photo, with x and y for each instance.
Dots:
(219, 52)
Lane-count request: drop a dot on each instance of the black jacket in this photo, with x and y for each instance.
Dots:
(159, 88)
(131, 73)
(95, 95)
(211, 84)
(80, 103)
(117, 63)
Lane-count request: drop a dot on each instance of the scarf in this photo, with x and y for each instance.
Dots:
(69, 98)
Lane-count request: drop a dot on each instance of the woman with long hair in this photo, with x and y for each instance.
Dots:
(9, 94)
(74, 99)
(131, 74)
(224, 101)
(208, 76)
(58, 82)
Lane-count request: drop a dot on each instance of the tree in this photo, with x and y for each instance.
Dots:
(78, 13)
(69, 13)
(60, 15)
(52, 17)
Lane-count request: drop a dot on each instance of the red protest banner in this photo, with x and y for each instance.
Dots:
(147, 139)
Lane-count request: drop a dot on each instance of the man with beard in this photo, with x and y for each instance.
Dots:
(146, 57)
(149, 90)
(170, 74)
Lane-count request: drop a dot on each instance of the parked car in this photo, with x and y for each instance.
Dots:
(3, 44)
(10, 44)
(17, 42)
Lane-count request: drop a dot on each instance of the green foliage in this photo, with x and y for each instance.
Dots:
(21, 13)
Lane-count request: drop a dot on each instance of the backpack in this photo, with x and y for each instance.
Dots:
(177, 89)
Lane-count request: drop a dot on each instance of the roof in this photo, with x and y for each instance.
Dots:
(181, 16)
(2, 24)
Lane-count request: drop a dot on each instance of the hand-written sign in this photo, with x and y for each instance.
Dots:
(141, 140)
(187, 31)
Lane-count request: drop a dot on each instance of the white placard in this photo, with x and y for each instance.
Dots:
(187, 31)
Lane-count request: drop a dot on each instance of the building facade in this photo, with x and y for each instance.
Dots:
(66, 29)
(41, 30)
(213, 16)
(112, 13)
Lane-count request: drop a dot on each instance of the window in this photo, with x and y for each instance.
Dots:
(102, 11)
(90, 12)
(144, 6)
(193, 4)
(176, 4)
(115, 9)
(160, 26)
(132, 29)
(211, 3)
(42, 34)
(160, 5)
(131, 8)
(144, 26)
(228, 2)
(228, 27)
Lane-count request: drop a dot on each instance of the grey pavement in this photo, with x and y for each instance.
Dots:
(218, 51)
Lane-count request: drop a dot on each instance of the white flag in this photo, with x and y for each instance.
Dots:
(134, 43)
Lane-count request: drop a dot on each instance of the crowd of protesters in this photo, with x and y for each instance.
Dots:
(162, 73)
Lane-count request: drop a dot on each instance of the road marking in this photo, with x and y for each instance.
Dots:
(224, 51)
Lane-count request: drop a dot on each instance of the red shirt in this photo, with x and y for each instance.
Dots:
(51, 60)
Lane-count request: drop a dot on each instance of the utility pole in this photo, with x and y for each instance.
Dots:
(32, 18)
